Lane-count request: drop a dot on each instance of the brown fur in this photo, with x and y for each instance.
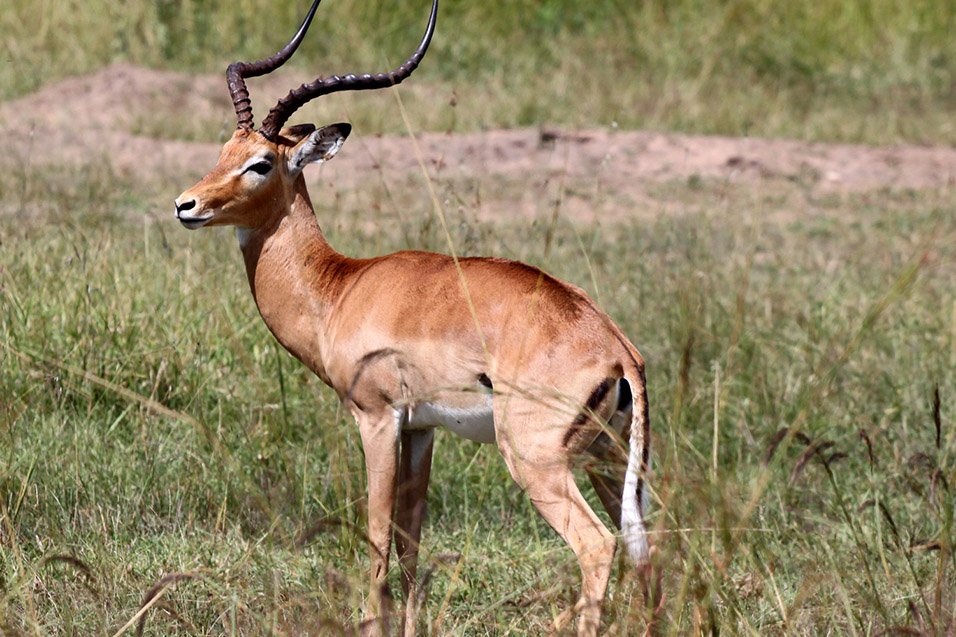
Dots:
(391, 332)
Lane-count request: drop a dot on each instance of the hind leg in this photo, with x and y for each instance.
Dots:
(606, 467)
(555, 495)
(542, 467)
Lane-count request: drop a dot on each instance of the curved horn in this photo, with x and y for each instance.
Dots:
(281, 112)
(238, 71)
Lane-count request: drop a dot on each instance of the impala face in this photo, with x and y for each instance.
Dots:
(252, 182)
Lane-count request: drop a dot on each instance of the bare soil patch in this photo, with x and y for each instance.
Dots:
(598, 173)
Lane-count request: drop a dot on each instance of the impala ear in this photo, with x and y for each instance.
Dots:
(292, 135)
(320, 146)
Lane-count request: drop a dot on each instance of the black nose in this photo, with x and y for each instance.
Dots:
(186, 205)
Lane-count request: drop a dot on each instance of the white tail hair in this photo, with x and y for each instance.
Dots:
(634, 500)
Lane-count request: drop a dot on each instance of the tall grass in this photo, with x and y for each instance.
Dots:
(151, 427)
(872, 71)
(157, 446)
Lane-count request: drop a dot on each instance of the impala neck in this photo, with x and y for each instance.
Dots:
(294, 274)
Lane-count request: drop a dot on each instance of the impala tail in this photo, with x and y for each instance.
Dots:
(634, 501)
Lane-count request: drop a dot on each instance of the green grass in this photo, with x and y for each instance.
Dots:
(150, 425)
(872, 71)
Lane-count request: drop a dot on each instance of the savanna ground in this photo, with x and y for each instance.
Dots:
(794, 301)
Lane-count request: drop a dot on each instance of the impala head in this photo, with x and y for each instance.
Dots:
(256, 168)
(253, 179)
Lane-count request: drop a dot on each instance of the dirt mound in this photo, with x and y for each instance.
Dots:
(118, 97)
(111, 113)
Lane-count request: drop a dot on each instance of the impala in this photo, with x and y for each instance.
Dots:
(495, 350)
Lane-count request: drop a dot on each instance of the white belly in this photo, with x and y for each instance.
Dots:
(474, 422)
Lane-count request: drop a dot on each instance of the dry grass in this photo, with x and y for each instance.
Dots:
(147, 432)
(157, 448)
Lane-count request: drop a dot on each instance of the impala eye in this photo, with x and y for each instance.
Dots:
(260, 167)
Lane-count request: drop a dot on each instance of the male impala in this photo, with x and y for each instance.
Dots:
(495, 350)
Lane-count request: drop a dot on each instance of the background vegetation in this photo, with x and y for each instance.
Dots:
(801, 366)
(868, 70)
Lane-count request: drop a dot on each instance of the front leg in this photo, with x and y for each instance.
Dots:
(380, 441)
(415, 471)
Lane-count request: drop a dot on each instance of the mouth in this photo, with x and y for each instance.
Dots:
(193, 222)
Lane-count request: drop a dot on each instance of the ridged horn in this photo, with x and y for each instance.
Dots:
(237, 72)
(286, 106)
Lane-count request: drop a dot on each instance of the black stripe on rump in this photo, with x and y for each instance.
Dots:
(594, 401)
(646, 454)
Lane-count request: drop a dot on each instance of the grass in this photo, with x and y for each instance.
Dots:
(157, 446)
(872, 71)
(152, 427)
